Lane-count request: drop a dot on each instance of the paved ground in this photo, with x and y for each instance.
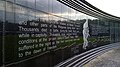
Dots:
(108, 59)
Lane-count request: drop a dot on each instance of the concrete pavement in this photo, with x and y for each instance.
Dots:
(108, 59)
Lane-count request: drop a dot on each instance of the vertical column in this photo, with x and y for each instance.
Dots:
(2, 20)
(10, 32)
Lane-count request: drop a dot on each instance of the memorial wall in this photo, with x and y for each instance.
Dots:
(1, 42)
(33, 32)
(2, 19)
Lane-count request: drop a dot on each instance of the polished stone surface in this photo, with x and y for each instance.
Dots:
(108, 59)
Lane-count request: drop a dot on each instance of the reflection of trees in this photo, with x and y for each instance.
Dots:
(1, 25)
(103, 30)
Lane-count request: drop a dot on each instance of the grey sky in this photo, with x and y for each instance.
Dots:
(53, 6)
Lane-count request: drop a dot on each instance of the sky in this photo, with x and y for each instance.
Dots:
(110, 6)
(53, 6)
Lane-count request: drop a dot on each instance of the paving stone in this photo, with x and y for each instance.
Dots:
(108, 59)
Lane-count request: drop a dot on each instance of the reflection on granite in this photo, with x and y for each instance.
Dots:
(109, 59)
